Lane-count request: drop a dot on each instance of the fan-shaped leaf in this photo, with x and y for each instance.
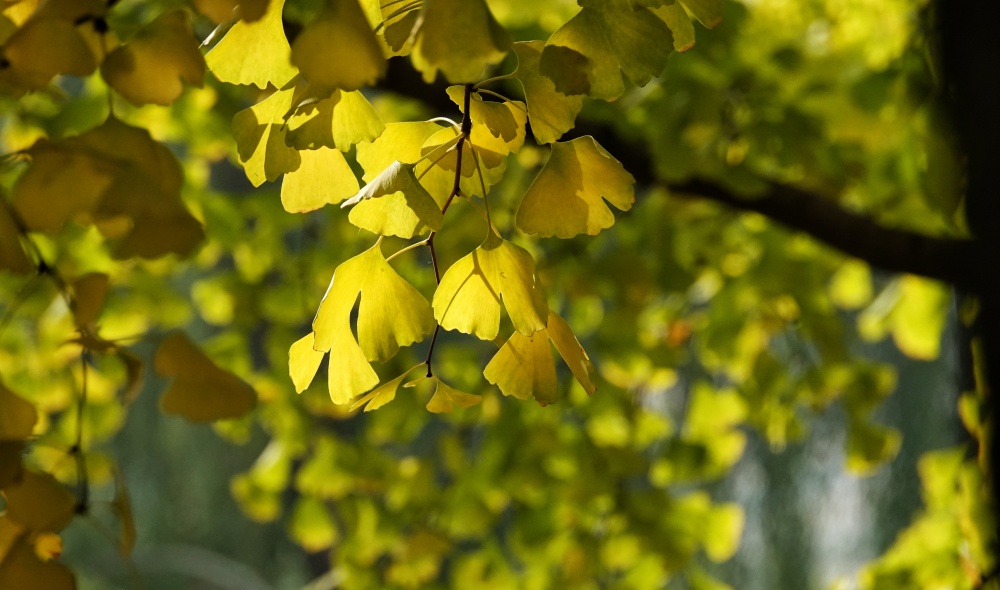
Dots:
(338, 49)
(394, 203)
(382, 395)
(552, 113)
(259, 132)
(17, 416)
(349, 373)
(323, 177)
(254, 52)
(340, 120)
(459, 37)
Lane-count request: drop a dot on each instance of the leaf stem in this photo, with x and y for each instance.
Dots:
(406, 249)
(491, 80)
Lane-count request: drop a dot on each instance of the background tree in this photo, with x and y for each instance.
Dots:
(470, 246)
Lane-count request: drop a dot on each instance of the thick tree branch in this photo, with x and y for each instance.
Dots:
(958, 262)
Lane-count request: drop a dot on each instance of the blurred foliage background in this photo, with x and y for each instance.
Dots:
(769, 413)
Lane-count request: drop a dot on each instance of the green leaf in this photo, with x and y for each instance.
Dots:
(340, 120)
(635, 42)
(394, 203)
(338, 49)
(311, 525)
(254, 52)
(680, 25)
(552, 113)
(260, 132)
(323, 177)
(468, 298)
(459, 37)
(708, 12)
(869, 446)
(391, 314)
(565, 198)
(723, 530)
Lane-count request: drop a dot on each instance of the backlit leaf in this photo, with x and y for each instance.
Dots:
(468, 298)
(323, 178)
(260, 132)
(254, 52)
(524, 367)
(311, 525)
(153, 66)
(339, 120)
(680, 25)
(391, 314)
(552, 113)
(222, 10)
(447, 398)
(635, 42)
(708, 12)
(398, 21)
(350, 374)
(303, 362)
(200, 391)
(43, 47)
(459, 37)
(394, 203)
(570, 350)
(565, 198)
(380, 396)
(338, 49)
(17, 416)
(399, 141)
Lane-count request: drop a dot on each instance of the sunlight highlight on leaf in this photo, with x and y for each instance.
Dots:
(260, 132)
(394, 203)
(254, 52)
(323, 178)
(552, 113)
(338, 49)
(459, 37)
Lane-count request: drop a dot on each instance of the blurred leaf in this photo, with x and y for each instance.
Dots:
(459, 37)
(17, 416)
(338, 49)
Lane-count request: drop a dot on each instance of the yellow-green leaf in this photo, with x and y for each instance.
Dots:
(382, 395)
(565, 198)
(200, 391)
(349, 374)
(222, 10)
(570, 350)
(504, 120)
(338, 49)
(552, 113)
(459, 37)
(391, 313)
(679, 22)
(43, 47)
(39, 502)
(399, 141)
(17, 416)
(254, 52)
(154, 65)
(523, 367)
(468, 298)
(303, 362)
(708, 12)
(339, 120)
(394, 203)
(446, 398)
(260, 132)
(869, 446)
(323, 177)
(311, 525)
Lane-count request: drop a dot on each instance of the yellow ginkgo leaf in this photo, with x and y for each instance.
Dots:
(339, 49)
(17, 416)
(323, 177)
(22, 569)
(394, 203)
(42, 48)
(523, 367)
(399, 141)
(259, 132)
(459, 37)
(398, 21)
(447, 398)
(437, 171)
(12, 255)
(254, 52)
(339, 119)
(89, 292)
(381, 395)
(200, 391)
(349, 373)
(220, 11)
(303, 362)
(153, 66)
(468, 298)
(39, 503)
(503, 120)
(565, 198)
(391, 314)
(552, 113)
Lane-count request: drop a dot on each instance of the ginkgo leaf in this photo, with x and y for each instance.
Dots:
(468, 298)
(565, 198)
(323, 177)
(633, 41)
(254, 52)
(680, 25)
(17, 416)
(12, 255)
(391, 314)
(394, 203)
(89, 292)
(708, 12)
(447, 398)
(303, 362)
(39, 503)
(459, 37)
(339, 119)
(259, 132)
(380, 396)
(22, 569)
(349, 373)
(504, 121)
(523, 367)
(200, 391)
(222, 10)
(42, 48)
(398, 22)
(399, 141)
(437, 172)
(552, 113)
(153, 66)
(339, 49)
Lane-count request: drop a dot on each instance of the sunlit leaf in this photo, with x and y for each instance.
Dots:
(391, 313)
(552, 113)
(338, 49)
(680, 25)
(340, 119)
(570, 350)
(260, 132)
(323, 177)
(468, 298)
(399, 141)
(153, 66)
(17, 416)
(254, 52)
(398, 21)
(350, 374)
(565, 198)
(394, 203)
(222, 10)
(723, 531)
(708, 12)
(459, 37)
(200, 391)
(524, 368)
(303, 362)
(380, 396)
(447, 398)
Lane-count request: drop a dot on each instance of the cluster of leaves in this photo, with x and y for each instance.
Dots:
(716, 322)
